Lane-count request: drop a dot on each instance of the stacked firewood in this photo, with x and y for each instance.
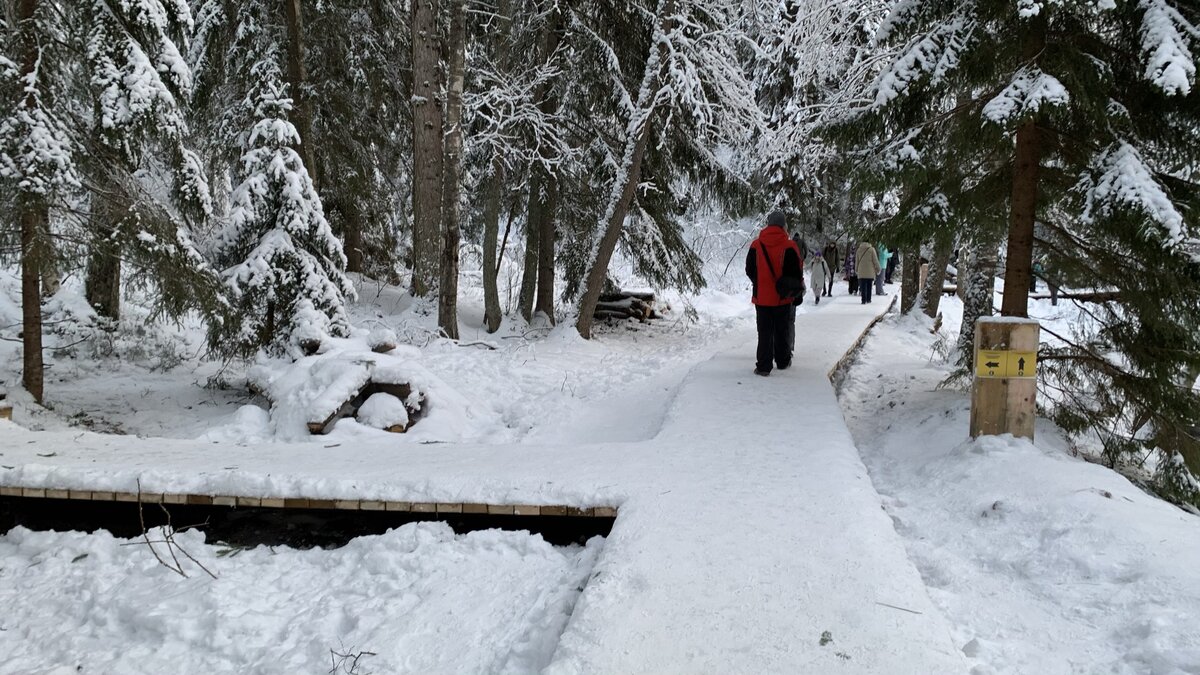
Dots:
(627, 305)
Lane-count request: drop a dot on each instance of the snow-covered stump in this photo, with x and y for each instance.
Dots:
(1004, 393)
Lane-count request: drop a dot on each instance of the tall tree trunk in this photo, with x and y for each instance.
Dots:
(547, 227)
(352, 235)
(103, 285)
(1026, 160)
(533, 231)
(102, 288)
(935, 279)
(910, 278)
(980, 293)
(451, 213)
(427, 159)
(617, 210)
(302, 109)
(33, 216)
(637, 136)
(491, 232)
(33, 224)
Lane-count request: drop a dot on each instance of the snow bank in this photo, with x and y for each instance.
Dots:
(1043, 562)
(421, 598)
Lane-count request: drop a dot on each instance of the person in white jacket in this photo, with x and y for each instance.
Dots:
(820, 272)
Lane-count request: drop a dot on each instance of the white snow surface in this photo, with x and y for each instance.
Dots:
(1042, 562)
(744, 534)
(416, 597)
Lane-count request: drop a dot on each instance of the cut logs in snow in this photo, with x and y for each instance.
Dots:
(373, 388)
(626, 305)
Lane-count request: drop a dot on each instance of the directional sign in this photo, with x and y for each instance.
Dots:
(1005, 364)
(991, 364)
(1022, 364)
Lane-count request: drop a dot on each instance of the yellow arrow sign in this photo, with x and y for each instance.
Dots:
(1006, 364)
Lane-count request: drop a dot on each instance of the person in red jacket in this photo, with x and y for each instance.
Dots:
(774, 255)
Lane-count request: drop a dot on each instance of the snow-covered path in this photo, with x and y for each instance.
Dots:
(749, 538)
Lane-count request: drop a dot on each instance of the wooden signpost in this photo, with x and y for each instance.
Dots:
(1004, 393)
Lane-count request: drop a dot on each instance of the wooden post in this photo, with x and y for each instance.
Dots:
(1003, 396)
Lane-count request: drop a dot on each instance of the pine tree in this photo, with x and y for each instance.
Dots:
(98, 133)
(1083, 118)
(284, 266)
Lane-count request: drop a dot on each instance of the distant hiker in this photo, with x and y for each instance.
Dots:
(819, 274)
(830, 253)
(851, 268)
(800, 245)
(774, 267)
(883, 258)
(867, 268)
(893, 261)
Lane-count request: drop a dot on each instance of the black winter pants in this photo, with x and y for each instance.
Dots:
(773, 336)
(864, 289)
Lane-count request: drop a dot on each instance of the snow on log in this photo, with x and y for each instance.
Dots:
(384, 411)
(626, 305)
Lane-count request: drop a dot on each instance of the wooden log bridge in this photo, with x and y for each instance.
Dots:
(308, 503)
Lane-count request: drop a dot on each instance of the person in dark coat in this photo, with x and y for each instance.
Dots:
(802, 246)
(831, 255)
(851, 268)
(772, 256)
(892, 262)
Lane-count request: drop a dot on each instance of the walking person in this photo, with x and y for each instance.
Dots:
(883, 258)
(831, 254)
(801, 246)
(777, 275)
(851, 268)
(892, 262)
(867, 268)
(818, 275)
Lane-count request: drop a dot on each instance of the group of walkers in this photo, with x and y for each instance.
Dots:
(776, 263)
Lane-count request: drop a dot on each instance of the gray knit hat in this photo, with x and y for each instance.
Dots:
(777, 218)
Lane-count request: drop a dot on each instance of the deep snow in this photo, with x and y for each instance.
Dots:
(1042, 562)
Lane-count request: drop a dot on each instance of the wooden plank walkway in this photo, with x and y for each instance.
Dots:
(235, 501)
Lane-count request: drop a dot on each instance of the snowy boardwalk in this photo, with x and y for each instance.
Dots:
(748, 532)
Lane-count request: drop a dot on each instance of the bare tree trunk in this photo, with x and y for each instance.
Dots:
(635, 150)
(936, 278)
(910, 279)
(302, 110)
(427, 147)
(33, 216)
(451, 213)
(33, 223)
(980, 292)
(102, 288)
(491, 232)
(1018, 270)
(352, 235)
(547, 226)
(636, 139)
(529, 271)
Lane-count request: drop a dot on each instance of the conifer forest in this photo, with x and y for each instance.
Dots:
(498, 257)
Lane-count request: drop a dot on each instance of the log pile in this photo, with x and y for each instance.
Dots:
(627, 305)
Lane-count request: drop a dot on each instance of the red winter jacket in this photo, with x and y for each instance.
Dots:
(785, 259)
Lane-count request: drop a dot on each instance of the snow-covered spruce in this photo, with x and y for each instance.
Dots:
(285, 270)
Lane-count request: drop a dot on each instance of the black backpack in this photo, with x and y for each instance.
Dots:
(788, 288)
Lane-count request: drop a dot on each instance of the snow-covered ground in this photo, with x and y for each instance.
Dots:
(750, 537)
(1042, 562)
(418, 599)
